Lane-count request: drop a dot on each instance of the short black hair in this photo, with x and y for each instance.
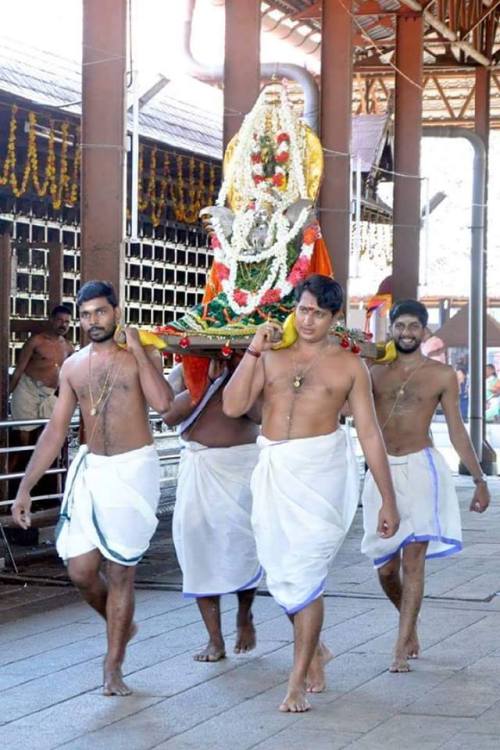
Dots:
(409, 307)
(92, 289)
(492, 367)
(60, 309)
(328, 292)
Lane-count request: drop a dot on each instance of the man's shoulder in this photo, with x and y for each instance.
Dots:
(75, 359)
(439, 369)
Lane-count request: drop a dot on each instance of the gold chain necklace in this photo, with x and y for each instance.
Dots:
(298, 378)
(106, 388)
(401, 392)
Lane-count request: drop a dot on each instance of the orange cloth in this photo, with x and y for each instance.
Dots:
(212, 287)
(320, 261)
(195, 373)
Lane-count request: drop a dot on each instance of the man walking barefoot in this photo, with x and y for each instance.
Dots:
(407, 393)
(112, 489)
(305, 484)
(211, 526)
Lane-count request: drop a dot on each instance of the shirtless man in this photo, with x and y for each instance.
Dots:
(305, 484)
(407, 393)
(211, 525)
(112, 488)
(36, 376)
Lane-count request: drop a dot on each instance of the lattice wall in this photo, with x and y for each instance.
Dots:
(164, 274)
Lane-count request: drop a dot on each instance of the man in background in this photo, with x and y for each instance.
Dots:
(36, 377)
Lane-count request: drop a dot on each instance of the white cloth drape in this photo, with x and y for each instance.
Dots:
(211, 525)
(110, 504)
(305, 494)
(427, 504)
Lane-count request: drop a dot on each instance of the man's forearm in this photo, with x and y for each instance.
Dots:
(157, 392)
(466, 452)
(47, 449)
(16, 377)
(238, 392)
(181, 408)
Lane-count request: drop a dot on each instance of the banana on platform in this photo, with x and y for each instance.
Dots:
(386, 353)
(290, 334)
(147, 338)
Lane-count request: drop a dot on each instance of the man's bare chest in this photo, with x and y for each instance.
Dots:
(415, 393)
(53, 352)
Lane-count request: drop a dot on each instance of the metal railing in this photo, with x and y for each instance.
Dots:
(167, 456)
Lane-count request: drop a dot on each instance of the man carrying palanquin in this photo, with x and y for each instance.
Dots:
(407, 392)
(112, 489)
(305, 483)
(211, 525)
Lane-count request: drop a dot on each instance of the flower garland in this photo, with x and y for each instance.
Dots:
(62, 189)
(186, 196)
(193, 186)
(251, 180)
(278, 283)
(267, 172)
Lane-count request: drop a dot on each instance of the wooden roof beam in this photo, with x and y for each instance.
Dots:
(482, 17)
(448, 33)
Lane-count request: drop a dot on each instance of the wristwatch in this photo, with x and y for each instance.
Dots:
(479, 480)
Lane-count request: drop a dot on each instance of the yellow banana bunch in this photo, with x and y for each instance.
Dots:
(147, 338)
(387, 354)
(290, 334)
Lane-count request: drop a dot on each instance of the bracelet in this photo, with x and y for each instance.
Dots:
(480, 480)
(253, 352)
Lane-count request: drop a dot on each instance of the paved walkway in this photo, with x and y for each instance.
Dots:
(50, 666)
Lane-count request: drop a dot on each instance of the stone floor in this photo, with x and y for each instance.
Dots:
(51, 647)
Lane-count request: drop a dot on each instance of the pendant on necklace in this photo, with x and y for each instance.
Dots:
(93, 411)
(297, 381)
(401, 392)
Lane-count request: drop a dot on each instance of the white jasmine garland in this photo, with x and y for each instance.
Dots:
(277, 278)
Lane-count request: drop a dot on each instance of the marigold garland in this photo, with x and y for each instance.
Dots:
(187, 188)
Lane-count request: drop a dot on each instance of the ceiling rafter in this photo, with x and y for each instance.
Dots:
(447, 32)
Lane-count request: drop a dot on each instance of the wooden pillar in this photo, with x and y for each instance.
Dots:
(5, 294)
(103, 141)
(407, 136)
(336, 121)
(55, 276)
(241, 63)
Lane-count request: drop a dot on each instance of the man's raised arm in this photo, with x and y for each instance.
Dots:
(47, 449)
(157, 392)
(247, 381)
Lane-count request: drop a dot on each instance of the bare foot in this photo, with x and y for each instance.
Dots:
(211, 652)
(399, 665)
(295, 701)
(315, 678)
(413, 647)
(113, 683)
(246, 639)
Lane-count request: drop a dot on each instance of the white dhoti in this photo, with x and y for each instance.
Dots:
(211, 526)
(305, 494)
(427, 505)
(110, 504)
(32, 399)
